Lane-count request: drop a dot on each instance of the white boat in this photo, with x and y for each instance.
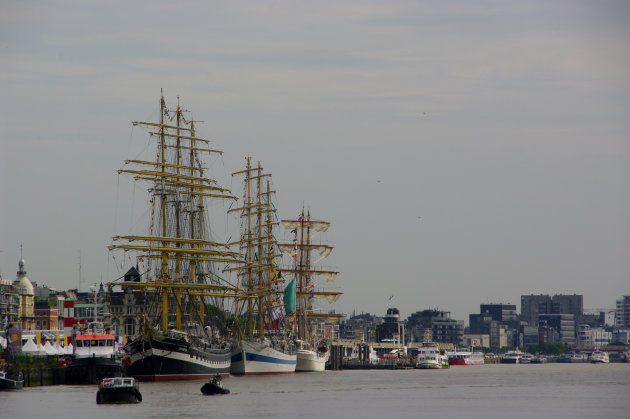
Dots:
(573, 358)
(251, 357)
(527, 359)
(430, 357)
(512, 357)
(309, 360)
(465, 357)
(600, 357)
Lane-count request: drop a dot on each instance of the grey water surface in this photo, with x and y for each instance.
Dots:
(483, 391)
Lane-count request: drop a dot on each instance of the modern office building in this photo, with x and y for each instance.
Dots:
(503, 313)
(534, 305)
(567, 304)
(563, 324)
(622, 313)
(443, 328)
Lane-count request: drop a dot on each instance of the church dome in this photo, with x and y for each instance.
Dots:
(22, 283)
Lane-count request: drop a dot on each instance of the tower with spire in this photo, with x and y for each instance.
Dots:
(27, 296)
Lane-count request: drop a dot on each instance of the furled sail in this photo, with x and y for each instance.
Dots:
(318, 226)
(322, 249)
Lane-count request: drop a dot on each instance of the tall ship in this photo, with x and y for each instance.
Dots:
(262, 343)
(182, 336)
(312, 351)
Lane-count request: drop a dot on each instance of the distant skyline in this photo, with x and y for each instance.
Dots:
(464, 153)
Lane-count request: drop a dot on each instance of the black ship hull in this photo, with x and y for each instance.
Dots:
(118, 395)
(92, 370)
(11, 382)
(210, 389)
(171, 359)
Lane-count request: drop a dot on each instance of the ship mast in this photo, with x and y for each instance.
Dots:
(256, 246)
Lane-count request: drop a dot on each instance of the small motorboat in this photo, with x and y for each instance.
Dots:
(11, 381)
(214, 386)
(118, 390)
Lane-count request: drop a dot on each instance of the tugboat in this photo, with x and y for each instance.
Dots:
(94, 352)
(214, 386)
(94, 357)
(118, 390)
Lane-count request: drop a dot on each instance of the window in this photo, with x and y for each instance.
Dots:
(130, 328)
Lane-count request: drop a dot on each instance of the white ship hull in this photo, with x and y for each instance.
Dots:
(430, 364)
(600, 358)
(311, 361)
(258, 358)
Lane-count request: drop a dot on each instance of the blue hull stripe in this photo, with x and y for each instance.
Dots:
(261, 358)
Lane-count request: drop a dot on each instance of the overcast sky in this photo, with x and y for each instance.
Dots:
(464, 152)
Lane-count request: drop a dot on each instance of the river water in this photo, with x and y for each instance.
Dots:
(483, 391)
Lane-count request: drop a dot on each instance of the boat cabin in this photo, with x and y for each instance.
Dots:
(117, 382)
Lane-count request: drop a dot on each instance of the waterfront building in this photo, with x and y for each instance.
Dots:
(567, 304)
(444, 329)
(360, 327)
(392, 329)
(501, 336)
(592, 336)
(477, 340)
(499, 321)
(534, 305)
(125, 311)
(528, 336)
(621, 336)
(481, 323)
(593, 319)
(46, 315)
(503, 313)
(25, 290)
(563, 324)
(622, 313)
(9, 302)
(42, 292)
(547, 334)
